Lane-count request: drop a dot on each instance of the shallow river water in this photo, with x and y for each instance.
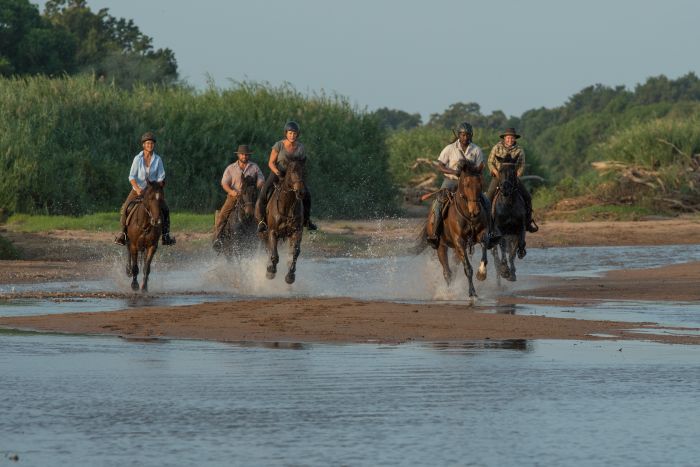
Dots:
(77, 400)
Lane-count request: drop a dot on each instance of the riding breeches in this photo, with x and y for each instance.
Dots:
(224, 212)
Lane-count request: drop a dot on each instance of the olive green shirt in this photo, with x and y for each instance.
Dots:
(502, 151)
(283, 155)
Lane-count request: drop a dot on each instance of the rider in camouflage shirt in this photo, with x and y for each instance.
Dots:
(508, 146)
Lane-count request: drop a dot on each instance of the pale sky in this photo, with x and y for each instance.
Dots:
(511, 55)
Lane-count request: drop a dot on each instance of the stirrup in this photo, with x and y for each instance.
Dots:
(262, 226)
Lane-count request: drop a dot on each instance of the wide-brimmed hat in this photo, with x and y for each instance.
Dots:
(243, 149)
(510, 132)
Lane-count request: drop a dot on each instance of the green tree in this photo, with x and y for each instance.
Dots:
(112, 48)
(393, 119)
(469, 112)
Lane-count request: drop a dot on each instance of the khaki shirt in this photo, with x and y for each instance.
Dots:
(452, 154)
(501, 150)
(233, 175)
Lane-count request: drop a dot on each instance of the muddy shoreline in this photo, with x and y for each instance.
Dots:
(349, 320)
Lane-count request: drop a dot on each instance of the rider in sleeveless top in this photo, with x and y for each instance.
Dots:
(448, 162)
(232, 183)
(509, 147)
(288, 147)
(147, 166)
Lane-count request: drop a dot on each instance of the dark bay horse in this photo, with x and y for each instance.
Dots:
(144, 226)
(465, 223)
(239, 235)
(284, 217)
(509, 217)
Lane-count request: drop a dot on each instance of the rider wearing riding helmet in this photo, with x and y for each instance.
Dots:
(508, 146)
(289, 147)
(448, 163)
(147, 166)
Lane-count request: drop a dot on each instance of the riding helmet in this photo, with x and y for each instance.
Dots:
(148, 136)
(465, 127)
(292, 126)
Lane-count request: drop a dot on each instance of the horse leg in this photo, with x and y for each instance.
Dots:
(444, 260)
(521, 244)
(274, 256)
(133, 260)
(468, 270)
(147, 266)
(294, 254)
(515, 247)
(505, 252)
(481, 273)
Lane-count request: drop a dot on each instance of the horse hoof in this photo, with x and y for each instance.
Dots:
(511, 278)
(289, 278)
(480, 276)
(134, 286)
(144, 289)
(521, 253)
(270, 275)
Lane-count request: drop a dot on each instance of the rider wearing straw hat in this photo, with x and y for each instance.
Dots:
(508, 146)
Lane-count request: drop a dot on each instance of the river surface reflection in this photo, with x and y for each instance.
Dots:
(73, 400)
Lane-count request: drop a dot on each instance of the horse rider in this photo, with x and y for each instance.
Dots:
(289, 147)
(147, 166)
(508, 146)
(232, 183)
(448, 161)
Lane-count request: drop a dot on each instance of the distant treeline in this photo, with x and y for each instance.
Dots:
(655, 126)
(66, 145)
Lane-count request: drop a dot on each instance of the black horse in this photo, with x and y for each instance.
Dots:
(239, 235)
(509, 218)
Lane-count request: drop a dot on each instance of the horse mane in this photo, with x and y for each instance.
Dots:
(469, 167)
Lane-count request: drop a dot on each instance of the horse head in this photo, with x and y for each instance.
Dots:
(249, 194)
(152, 196)
(294, 177)
(507, 175)
(470, 186)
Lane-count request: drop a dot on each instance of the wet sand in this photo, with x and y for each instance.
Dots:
(349, 320)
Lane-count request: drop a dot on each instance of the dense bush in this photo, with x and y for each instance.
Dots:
(66, 145)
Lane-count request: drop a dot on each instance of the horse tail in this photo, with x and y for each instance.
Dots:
(421, 241)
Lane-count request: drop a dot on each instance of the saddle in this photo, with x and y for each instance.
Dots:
(130, 209)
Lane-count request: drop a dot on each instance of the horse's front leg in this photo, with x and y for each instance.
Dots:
(150, 252)
(468, 270)
(445, 262)
(521, 244)
(511, 260)
(295, 243)
(133, 261)
(274, 256)
(481, 273)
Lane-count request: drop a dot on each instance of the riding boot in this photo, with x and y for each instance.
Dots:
(121, 238)
(261, 204)
(530, 225)
(166, 238)
(436, 217)
(492, 238)
(307, 211)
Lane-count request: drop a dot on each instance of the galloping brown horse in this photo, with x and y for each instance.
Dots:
(284, 217)
(144, 226)
(465, 224)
